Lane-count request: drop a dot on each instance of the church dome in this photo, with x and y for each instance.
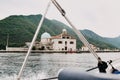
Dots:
(64, 31)
(45, 35)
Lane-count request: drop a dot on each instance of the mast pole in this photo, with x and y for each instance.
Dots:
(7, 41)
(79, 34)
(33, 40)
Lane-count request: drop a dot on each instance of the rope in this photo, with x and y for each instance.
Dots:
(49, 78)
(92, 69)
(110, 61)
(115, 59)
(82, 38)
(79, 34)
(33, 40)
(62, 11)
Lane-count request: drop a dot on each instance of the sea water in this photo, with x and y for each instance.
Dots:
(44, 65)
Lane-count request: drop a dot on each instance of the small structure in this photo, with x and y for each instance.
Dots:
(84, 48)
(64, 41)
(16, 49)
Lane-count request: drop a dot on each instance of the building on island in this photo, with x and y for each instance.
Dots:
(63, 41)
(84, 48)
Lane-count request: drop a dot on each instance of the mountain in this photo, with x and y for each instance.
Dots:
(114, 41)
(99, 41)
(111, 41)
(22, 28)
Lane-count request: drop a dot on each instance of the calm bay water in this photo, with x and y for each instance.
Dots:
(47, 65)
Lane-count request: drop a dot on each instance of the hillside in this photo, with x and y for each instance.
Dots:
(21, 29)
(97, 40)
(114, 41)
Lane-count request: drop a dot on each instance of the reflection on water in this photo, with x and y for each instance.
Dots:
(46, 65)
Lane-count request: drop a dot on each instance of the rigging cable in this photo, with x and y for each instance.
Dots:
(49, 78)
(79, 34)
(33, 40)
(115, 59)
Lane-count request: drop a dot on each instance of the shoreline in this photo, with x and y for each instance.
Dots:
(43, 51)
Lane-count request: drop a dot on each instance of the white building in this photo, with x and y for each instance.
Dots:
(63, 41)
(16, 49)
(84, 48)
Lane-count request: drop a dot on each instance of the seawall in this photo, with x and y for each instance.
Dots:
(50, 51)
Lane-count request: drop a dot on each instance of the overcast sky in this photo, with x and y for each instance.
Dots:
(100, 16)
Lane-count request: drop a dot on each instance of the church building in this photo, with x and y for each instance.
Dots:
(63, 41)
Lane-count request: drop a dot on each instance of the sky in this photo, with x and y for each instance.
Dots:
(100, 16)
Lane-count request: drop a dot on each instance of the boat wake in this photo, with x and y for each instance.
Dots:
(31, 76)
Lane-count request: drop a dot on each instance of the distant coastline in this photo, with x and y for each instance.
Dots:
(43, 51)
(16, 30)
